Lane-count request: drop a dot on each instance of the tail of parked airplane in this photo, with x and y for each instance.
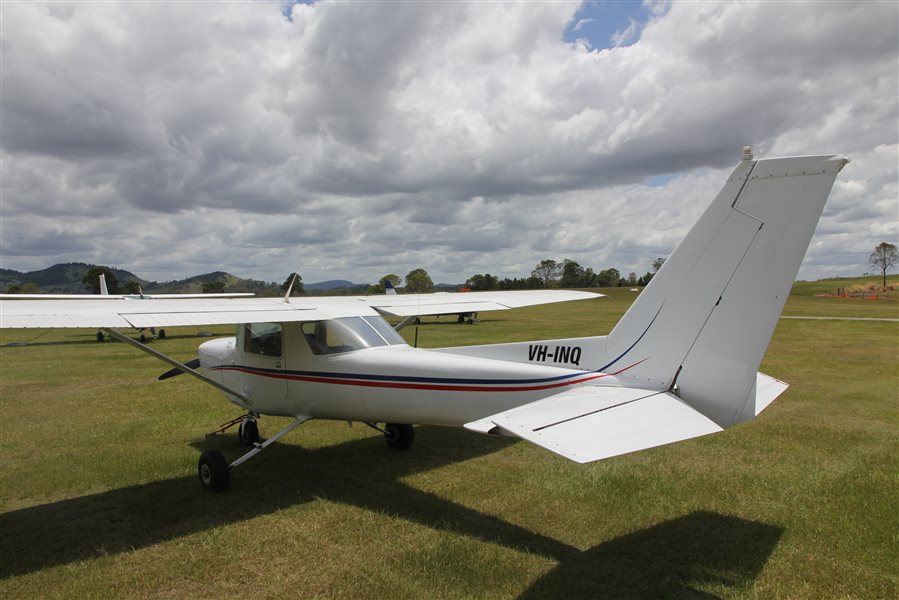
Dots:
(686, 354)
(703, 324)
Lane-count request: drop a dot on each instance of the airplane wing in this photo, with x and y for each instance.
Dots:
(114, 312)
(594, 422)
(123, 296)
(413, 305)
(156, 312)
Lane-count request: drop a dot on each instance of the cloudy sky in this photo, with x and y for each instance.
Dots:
(354, 139)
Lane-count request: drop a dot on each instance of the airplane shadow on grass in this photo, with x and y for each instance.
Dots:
(669, 559)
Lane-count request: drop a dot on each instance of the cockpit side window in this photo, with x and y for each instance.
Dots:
(384, 329)
(346, 334)
(262, 338)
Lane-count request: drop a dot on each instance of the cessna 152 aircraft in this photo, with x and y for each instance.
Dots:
(681, 363)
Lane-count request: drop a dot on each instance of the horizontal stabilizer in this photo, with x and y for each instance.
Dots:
(767, 389)
(595, 422)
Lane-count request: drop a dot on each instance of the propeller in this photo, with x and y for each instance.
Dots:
(193, 364)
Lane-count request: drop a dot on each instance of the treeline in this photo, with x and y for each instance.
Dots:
(565, 274)
(546, 275)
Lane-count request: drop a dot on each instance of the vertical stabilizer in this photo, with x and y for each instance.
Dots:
(705, 320)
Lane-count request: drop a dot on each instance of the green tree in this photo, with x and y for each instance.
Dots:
(572, 274)
(657, 264)
(213, 287)
(418, 282)
(884, 258)
(589, 278)
(607, 278)
(396, 280)
(482, 283)
(91, 280)
(381, 286)
(24, 288)
(547, 271)
(513, 284)
(297, 286)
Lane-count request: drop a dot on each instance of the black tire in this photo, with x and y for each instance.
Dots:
(161, 334)
(213, 471)
(100, 336)
(460, 319)
(248, 432)
(399, 436)
(143, 338)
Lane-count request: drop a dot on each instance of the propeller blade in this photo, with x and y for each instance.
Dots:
(193, 364)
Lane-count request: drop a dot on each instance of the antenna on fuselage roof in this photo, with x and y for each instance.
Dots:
(290, 288)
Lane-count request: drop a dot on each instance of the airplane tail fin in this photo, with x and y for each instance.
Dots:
(104, 291)
(389, 289)
(702, 325)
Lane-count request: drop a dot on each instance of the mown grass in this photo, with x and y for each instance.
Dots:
(99, 498)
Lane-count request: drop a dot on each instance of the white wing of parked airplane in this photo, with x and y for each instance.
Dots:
(411, 305)
(113, 312)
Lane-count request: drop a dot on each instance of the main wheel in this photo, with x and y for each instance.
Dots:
(399, 436)
(100, 336)
(161, 334)
(248, 432)
(214, 471)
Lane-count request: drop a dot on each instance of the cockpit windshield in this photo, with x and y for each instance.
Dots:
(350, 333)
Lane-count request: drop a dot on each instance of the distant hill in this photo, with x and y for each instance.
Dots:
(64, 278)
(194, 285)
(329, 285)
(67, 278)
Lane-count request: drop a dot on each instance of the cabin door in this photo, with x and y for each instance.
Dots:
(262, 375)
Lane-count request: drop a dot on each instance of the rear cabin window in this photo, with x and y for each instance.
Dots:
(349, 333)
(262, 338)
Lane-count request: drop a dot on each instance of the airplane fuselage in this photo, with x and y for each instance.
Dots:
(389, 383)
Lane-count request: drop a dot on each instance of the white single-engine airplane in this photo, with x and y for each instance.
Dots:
(681, 363)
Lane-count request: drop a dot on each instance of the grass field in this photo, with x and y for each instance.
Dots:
(99, 497)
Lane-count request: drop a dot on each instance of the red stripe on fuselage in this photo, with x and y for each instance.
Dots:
(417, 386)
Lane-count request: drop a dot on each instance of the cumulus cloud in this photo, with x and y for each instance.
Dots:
(355, 140)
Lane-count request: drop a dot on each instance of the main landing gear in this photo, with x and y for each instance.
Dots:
(215, 472)
(398, 436)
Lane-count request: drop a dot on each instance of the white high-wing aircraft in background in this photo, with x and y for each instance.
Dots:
(681, 363)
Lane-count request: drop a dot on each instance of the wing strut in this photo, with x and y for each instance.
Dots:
(180, 366)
